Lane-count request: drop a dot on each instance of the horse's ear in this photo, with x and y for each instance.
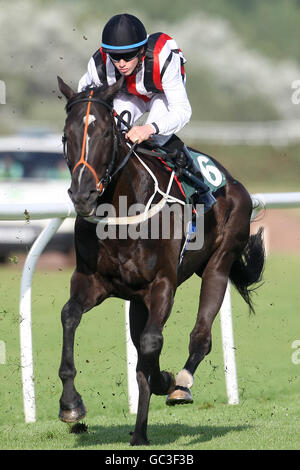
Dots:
(112, 90)
(65, 89)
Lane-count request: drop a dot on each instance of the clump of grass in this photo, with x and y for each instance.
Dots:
(205, 406)
(78, 428)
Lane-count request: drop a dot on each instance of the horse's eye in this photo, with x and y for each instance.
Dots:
(64, 141)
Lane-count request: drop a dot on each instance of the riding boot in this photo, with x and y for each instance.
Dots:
(190, 171)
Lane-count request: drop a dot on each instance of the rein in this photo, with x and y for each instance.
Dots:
(102, 183)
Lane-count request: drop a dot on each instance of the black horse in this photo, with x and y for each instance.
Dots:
(145, 271)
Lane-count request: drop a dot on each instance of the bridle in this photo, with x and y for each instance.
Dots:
(102, 183)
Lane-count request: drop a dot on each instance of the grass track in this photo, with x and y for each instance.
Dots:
(269, 383)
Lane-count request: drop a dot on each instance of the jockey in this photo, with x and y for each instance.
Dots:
(153, 67)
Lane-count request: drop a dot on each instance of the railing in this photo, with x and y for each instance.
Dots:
(236, 133)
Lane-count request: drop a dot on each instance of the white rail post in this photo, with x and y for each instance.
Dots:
(228, 349)
(25, 318)
(133, 391)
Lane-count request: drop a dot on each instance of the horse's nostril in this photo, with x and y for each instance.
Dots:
(94, 194)
(84, 202)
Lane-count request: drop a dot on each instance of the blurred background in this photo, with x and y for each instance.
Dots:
(243, 64)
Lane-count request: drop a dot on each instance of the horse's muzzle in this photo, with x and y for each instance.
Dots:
(85, 203)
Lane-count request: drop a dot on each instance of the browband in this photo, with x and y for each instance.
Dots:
(99, 101)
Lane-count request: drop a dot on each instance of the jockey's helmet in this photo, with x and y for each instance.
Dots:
(123, 34)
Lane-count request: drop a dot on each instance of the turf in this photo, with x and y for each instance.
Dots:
(269, 381)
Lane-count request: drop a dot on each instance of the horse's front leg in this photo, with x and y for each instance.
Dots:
(146, 332)
(71, 405)
(84, 295)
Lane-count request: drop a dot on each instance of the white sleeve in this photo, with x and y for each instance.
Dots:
(179, 108)
(90, 78)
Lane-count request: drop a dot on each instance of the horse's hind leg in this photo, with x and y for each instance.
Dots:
(214, 283)
(83, 298)
(211, 297)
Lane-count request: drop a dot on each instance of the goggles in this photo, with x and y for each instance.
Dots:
(127, 56)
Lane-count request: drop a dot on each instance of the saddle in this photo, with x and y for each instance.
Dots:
(173, 156)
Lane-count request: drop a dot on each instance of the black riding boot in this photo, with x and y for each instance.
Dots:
(190, 171)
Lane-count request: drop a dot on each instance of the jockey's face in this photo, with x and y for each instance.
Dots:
(126, 67)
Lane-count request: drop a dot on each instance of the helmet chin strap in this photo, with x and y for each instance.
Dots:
(140, 61)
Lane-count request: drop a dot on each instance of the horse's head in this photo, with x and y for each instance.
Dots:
(90, 140)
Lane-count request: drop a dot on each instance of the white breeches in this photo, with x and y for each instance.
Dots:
(156, 108)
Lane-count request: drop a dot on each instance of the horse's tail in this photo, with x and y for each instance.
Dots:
(248, 268)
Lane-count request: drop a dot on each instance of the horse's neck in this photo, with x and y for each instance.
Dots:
(137, 179)
(140, 182)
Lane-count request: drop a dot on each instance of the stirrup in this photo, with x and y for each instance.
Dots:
(190, 165)
(192, 173)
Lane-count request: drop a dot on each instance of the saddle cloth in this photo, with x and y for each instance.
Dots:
(212, 176)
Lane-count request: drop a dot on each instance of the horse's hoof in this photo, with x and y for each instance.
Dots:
(73, 415)
(180, 396)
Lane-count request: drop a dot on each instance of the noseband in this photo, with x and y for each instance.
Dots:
(102, 183)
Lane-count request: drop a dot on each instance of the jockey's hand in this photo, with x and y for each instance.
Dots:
(140, 133)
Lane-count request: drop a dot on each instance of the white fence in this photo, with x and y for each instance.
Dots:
(57, 213)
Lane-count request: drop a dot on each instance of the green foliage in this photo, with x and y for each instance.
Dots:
(64, 34)
(271, 26)
(213, 102)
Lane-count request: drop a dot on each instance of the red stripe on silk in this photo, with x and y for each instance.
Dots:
(131, 87)
(104, 56)
(156, 69)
